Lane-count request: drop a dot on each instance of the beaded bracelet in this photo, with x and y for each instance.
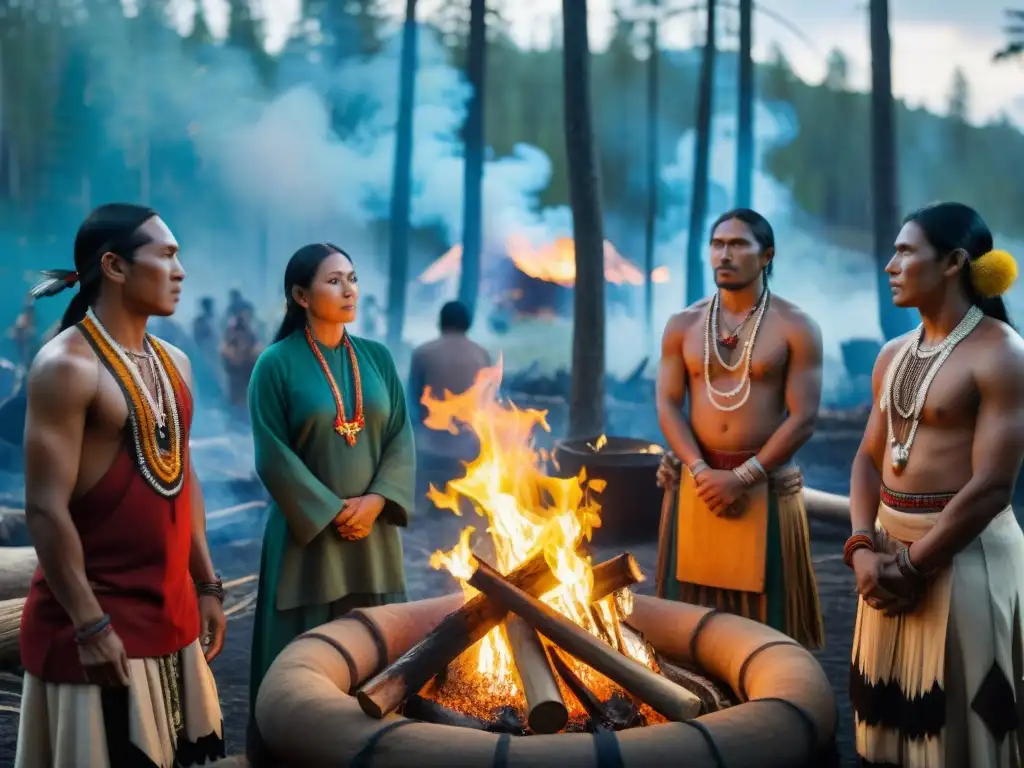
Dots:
(698, 467)
(94, 631)
(750, 471)
(211, 589)
(859, 540)
(908, 570)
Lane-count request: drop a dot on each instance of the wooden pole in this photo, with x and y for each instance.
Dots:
(665, 697)
(546, 711)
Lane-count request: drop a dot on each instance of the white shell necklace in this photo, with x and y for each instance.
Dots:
(898, 381)
(745, 385)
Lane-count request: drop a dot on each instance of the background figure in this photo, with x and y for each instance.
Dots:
(334, 449)
(449, 362)
(240, 349)
(206, 338)
(25, 335)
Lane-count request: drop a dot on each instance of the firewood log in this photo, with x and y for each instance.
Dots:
(665, 697)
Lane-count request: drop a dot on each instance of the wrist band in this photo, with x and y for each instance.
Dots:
(755, 467)
(750, 472)
(907, 568)
(211, 589)
(698, 467)
(857, 541)
(94, 631)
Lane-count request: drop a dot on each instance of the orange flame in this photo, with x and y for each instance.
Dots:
(525, 511)
(552, 263)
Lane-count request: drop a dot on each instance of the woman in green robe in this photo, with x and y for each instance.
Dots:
(334, 448)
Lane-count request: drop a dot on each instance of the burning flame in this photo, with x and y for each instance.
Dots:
(552, 263)
(525, 511)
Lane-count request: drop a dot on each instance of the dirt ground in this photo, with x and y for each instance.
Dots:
(239, 559)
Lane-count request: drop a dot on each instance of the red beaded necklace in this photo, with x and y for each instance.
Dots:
(344, 427)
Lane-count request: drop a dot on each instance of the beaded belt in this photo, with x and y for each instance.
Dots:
(915, 502)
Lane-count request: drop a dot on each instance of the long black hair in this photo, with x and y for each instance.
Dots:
(950, 227)
(300, 272)
(759, 228)
(111, 228)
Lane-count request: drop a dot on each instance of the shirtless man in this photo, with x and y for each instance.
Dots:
(938, 553)
(748, 416)
(124, 612)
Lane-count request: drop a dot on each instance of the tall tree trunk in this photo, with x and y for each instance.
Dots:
(702, 152)
(473, 139)
(586, 404)
(401, 185)
(651, 222)
(745, 159)
(884, 169)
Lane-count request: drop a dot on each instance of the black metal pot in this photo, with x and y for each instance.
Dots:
(631, 500)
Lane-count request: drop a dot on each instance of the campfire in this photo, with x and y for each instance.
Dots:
(541, 644)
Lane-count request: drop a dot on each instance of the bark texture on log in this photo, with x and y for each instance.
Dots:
(17, 565)
(545, 710)
(10, 626)
(664, 696)
(612, 575)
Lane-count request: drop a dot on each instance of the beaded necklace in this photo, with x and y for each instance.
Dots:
(157, 441)
(347, 429)
(909, 378)
(745, 385)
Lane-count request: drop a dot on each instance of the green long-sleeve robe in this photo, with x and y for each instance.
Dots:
(308, 573)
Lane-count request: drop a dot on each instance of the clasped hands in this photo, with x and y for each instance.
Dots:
(357, 516)
(882, 585)
(720, 490)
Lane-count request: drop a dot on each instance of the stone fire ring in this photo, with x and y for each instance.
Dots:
(787, 717)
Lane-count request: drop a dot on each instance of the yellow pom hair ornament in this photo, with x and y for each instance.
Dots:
(993, 273)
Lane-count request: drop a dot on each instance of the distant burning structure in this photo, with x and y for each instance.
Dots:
(539, 280)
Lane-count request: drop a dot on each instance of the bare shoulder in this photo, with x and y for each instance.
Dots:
(64, 374)
(997, 352)
(179, 358)
(682, 323)
(800, 326)
(889, 350)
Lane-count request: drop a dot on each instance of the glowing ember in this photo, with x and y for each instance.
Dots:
(552, 263)
(526, 512)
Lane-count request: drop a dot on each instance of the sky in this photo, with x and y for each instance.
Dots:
(930, 40)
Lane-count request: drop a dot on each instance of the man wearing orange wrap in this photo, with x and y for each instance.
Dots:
(124, 611)
(748, 364)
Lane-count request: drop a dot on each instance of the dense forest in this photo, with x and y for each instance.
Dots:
(94, 107)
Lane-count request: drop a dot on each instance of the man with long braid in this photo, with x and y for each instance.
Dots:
(124, 612)
(938, 655)
(734, 530)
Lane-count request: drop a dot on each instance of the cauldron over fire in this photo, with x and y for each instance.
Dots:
(631, 499)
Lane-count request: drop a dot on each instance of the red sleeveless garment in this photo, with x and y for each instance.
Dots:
(136, 546)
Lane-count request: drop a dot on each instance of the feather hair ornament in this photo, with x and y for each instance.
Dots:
(55, 281)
